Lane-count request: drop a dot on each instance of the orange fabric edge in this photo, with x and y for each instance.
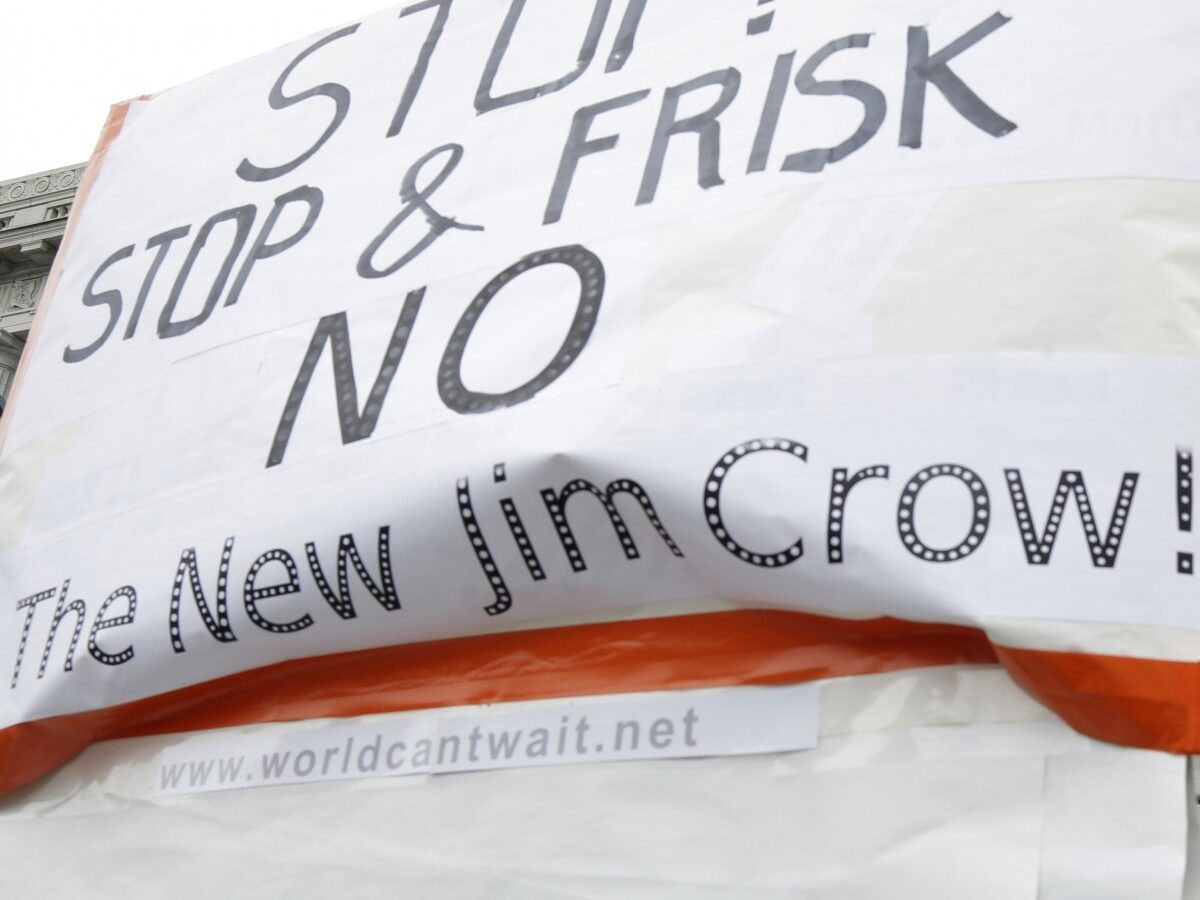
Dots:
(1149, 703)
(112, 128)
(678, 652)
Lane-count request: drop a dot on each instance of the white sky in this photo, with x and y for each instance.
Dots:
(65, 63)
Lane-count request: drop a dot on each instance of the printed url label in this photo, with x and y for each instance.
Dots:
(717, 722)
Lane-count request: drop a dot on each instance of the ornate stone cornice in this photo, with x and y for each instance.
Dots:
(31, 187)
(44, 231)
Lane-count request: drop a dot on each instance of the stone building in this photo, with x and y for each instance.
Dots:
(33, 217)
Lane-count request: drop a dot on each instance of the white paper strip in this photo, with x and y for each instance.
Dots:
(724, 722)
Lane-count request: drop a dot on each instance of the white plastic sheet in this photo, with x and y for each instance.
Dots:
(940, 783)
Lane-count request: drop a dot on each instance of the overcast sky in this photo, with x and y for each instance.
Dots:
(66, 62)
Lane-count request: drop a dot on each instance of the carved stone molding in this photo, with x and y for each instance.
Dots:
(48, 183)
(37, 250)
(23, 295)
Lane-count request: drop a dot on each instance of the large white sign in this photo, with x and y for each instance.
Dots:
(474, 317)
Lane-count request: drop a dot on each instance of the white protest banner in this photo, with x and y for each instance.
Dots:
(479, 351)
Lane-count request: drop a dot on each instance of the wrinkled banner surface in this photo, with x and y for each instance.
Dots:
(485, 350)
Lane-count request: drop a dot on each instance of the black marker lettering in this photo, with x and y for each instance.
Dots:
(591, 291)
(338, 93)
(414, 199)
(243, 218)
(355, 425)
(313, 199)
(873, 102)
(923, 68)
(417, 77)
(112, 299)
(163, 243)
(485, 102)
(579, 145)
(704, 125)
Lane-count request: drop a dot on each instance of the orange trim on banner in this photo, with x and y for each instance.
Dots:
(1151, 703)
(112, 128)
(694, 651)
(1137, 702)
